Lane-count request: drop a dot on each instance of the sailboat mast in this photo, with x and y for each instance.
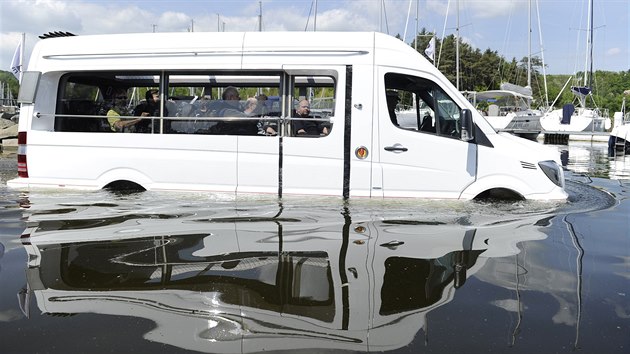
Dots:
(529, 45)
(589, 45)
(315, 18)
(416, 35)
(542, 55)
(457, 50)
(590, 76)
(260, 16)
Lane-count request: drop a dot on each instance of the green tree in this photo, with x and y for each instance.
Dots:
(10, 80)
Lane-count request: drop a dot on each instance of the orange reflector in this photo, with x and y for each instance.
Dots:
(361, 152)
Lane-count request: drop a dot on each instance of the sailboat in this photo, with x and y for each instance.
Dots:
(619, 140)
(582, 119)
(509, 108)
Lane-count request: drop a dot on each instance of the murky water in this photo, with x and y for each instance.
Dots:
(172, 273)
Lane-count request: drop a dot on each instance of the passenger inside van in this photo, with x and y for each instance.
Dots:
(230, 107)
(117, 109)
(150, 107)
(231, 103)
(307, 126)
(250, 106)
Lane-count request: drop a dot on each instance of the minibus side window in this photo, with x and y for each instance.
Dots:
(218, 103)
(419, 104)
(250, 103)
(106, 102)
(78, 107)
(313, 106)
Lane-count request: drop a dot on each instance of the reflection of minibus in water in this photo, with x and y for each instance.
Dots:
(230, 285)
(75, 87)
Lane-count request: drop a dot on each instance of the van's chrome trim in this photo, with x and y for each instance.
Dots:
(203, 53)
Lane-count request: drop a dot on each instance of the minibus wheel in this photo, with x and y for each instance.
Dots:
(499, 194)
(124, 186)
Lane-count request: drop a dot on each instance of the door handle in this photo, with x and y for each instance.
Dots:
(396, 148)
(392, 245)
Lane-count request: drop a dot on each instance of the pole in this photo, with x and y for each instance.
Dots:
(416, 39)
(457, 50)
(260, 17)
(404, 38)
(542, 56)
(315, 18)
(23, 39)
(590, 76)
(529, 46)
(588, 43)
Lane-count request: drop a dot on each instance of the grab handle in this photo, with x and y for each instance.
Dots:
(396, 148)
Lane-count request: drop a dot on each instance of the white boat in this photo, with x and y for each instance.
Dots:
(570, 119)
(619, 140)
(582, 119)
(508, 109)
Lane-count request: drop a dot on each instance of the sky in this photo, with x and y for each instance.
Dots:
(559, 27)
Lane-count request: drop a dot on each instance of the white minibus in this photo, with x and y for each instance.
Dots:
(349, 114)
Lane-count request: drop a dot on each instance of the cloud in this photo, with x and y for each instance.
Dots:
(493, 8)
(39, 16)
(481, 9)
(344, 20)
(613, 52)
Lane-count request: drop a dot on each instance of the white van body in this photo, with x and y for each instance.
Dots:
(365, 153)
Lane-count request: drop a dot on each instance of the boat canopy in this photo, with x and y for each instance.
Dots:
(525, 91)
(581, 90)
(504, 98)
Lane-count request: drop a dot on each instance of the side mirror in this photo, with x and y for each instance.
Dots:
(468, 125)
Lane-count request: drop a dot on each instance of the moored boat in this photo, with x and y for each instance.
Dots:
(582, 119)
(508, 109)
(619, 140)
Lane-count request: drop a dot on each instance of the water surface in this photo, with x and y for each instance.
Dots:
(179, 273)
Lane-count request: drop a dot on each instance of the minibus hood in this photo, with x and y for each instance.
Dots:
(529, 147)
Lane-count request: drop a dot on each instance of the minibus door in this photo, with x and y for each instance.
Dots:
(420, 149)
(314, 164)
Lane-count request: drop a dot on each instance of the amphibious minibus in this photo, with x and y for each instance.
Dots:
(224, 111)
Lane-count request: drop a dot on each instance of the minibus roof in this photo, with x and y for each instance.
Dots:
(222, 51)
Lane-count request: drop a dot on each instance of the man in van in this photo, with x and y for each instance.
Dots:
(230, 108)
(307, 126)
(117, 109)
(150, 107)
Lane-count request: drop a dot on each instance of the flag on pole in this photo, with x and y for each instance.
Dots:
(430, 51)
(16, 63)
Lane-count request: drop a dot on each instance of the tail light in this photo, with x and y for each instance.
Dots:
(21, 157)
